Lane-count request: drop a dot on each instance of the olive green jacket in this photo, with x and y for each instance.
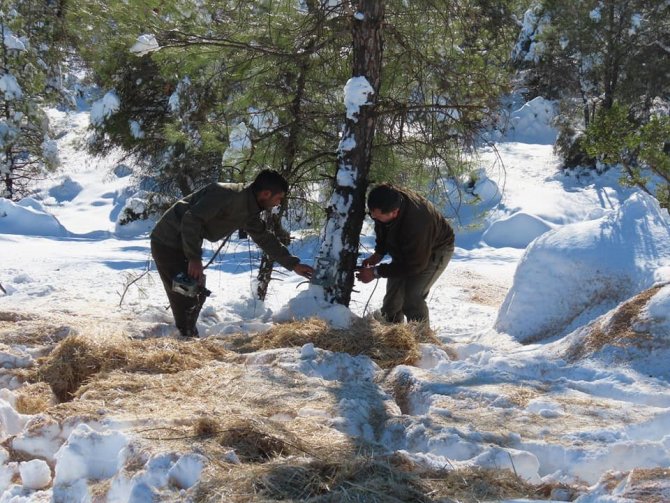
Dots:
(215, 212)
(419, 234)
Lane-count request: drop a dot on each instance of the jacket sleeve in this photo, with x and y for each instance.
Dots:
(269, 243)
(205, 207)
(415, 251)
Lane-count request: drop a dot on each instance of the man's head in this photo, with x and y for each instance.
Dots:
(384, 203)
(269, 188)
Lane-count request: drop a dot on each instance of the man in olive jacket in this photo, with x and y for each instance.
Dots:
(213, 213)
(420, 242)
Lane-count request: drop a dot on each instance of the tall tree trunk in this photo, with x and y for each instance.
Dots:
(291, 150)
(273, 223)
(346, 210)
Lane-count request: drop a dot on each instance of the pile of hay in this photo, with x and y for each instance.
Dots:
(77, 358)
(360, 477)
(387, 344)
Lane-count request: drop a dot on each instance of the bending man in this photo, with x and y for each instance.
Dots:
(213, 213)
(420, 242)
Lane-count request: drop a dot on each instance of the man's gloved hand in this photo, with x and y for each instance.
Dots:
(304, 270)
(195, 269)
(366, 274)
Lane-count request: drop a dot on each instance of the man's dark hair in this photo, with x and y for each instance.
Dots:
(384, 198)
(269, 179)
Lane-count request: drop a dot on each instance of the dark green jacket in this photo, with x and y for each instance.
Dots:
(418, 234)
(212, 213)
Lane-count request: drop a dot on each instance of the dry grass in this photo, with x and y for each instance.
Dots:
(257, 442)
(618, 330)
(195, 396)
(358, 478)
(387, 344)
(77, 358)
(34, 398)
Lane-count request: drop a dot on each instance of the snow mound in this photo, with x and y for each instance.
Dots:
(35, 474)
(28, 221)
(311, 303)
(582, 270)
(67, 190)
(88, 454)
(515, 231)
(532, 123)
(637, 332)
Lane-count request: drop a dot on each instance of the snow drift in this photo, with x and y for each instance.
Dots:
(28, 219)
(579, 271)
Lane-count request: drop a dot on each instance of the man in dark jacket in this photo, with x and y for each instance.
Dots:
(420, 242)
(213, 213)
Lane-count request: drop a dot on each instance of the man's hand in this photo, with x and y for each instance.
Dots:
(195, 269)
(372, 260)
(304, 270)
(366, 274)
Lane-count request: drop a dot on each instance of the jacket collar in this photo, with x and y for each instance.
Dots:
(252, 205)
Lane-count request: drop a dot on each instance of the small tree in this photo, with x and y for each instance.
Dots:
(643, 151)
(590, 54)
(28, 32)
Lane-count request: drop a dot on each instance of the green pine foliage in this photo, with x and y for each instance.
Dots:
(238, 86)
(30, 34)
(591, 54)
(642, 149)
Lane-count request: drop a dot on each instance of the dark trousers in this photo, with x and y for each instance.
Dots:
(406, 296)
(185, 310)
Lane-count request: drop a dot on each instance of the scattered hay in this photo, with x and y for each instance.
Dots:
(34, 398)
(387, 344)
(13, 317)
(616, 331)
(206, 427)
(253, 443)
(78, 358)
(73, 361)
(356, 478)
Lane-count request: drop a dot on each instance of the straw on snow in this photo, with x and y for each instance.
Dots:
(388, 345)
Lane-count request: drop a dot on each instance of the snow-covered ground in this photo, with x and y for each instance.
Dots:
(526, 304)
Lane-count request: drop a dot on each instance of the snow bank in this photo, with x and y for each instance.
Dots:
(515, 231)
(28, 221)
(532, 123)
(656, 315)
(67, 190)
(581, 270)
(311, 303)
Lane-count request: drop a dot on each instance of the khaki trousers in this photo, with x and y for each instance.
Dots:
(406, 296)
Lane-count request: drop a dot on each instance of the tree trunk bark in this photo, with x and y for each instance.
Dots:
(346, 210)
(273, 223)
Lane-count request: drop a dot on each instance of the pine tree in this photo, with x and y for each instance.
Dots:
(593, 53)
(30, 33)
(270, 95)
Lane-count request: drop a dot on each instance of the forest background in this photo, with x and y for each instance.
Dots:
(194, 92)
